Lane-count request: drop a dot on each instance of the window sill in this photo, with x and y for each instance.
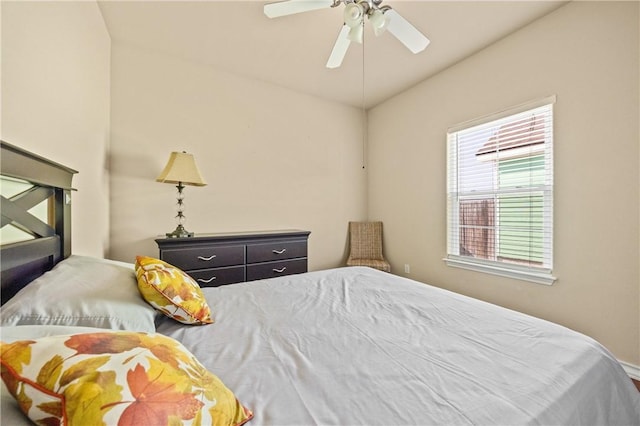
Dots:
(538, 276)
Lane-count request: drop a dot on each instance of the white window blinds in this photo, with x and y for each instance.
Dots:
(500, 193)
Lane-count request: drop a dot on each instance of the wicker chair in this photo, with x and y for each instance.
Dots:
(365, 246)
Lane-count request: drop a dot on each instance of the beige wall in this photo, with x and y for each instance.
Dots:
(55, 101)
(273, 158)
(586, 53)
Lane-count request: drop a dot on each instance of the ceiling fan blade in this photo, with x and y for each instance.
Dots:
(339, 48)
(275, 10)
(405, 32)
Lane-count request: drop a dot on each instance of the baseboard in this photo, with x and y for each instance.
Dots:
(632, 370)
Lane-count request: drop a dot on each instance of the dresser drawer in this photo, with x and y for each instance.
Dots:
(204, 257)
(260, 271)
(218, 276)
(276, 251)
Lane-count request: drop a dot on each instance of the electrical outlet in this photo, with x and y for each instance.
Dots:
(407, 268)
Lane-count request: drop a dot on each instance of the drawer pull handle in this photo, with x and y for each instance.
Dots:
(207, 258)
(202, 280)
(279, 271)
(279, 251)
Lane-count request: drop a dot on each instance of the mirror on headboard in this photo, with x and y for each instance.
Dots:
(12, 189)
(35, 232)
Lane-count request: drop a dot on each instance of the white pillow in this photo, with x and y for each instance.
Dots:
(82, 291)
(28, 332)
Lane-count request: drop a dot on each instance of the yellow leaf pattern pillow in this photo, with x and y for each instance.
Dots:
(118, 377)
(171, 291)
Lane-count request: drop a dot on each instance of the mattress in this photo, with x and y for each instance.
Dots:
(358, 346)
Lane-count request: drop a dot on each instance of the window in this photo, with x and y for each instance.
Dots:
(500, 193)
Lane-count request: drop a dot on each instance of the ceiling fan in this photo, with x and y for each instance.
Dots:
(381, 18)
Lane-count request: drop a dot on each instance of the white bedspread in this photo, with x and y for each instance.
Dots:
(355, 346)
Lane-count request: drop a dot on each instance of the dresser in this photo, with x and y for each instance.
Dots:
(218, 259)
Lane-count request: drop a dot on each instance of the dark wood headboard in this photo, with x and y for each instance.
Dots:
(22, 262)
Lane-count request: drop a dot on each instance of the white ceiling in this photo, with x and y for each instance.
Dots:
(291, 51)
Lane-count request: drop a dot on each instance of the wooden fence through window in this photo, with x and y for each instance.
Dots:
(477, 228)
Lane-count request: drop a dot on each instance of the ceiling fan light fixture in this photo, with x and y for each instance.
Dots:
(379, 21)
(356, 34)
(354, 15)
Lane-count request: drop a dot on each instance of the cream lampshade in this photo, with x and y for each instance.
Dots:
(181, 169)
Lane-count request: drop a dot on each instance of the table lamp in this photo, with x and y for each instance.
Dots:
(181, 170)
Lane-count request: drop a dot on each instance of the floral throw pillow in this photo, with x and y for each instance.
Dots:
(171, 291)
(115, 377)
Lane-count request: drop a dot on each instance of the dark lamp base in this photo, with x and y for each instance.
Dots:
(179, 232)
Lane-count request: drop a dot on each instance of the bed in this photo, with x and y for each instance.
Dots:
(343, 346)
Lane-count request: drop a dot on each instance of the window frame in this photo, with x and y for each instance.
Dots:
(537, 274)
